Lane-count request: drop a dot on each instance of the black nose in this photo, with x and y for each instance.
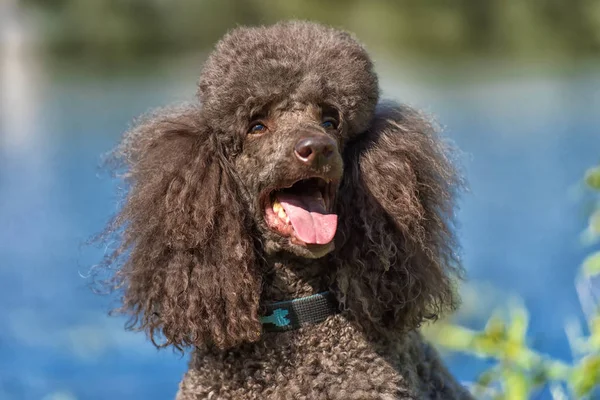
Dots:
(315, 149)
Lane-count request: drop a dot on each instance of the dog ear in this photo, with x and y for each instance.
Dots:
(395, 250)
(186, 260)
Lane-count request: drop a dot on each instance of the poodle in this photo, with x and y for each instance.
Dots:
(289, 227)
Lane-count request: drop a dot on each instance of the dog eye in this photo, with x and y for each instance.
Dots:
(257, 127)
(329, 124)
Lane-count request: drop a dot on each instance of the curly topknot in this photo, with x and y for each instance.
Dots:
(310, 62)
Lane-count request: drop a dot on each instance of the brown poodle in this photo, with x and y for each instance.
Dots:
(290, 180)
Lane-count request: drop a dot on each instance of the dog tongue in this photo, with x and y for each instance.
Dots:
(307, 214)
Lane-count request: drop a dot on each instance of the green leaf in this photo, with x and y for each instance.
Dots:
(592, 178)
(495, 329)
(595, 223)
(516, 384)
(557, 370)
(591, 265)
(594, 339)
(586, 376)
(456, 338)
(539, 377)
(484, 386)
(517, 331)
(486, 378)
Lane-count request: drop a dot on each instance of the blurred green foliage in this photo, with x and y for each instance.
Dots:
(514, 28)
(518, 371)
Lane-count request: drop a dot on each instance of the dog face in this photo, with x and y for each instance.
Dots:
(291, 165)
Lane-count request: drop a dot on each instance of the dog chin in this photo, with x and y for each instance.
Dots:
(282, 244)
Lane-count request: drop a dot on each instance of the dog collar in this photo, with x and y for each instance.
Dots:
(292, 314)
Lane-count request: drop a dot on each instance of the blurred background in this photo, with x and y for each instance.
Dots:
(515, 84)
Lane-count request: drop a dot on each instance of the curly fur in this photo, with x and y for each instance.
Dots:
(396, 245)
(196, 259)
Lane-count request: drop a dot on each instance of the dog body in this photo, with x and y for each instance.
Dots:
(331, 360)
(289, 178)
(335, 359)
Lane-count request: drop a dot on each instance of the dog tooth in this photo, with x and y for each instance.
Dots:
(282, 213)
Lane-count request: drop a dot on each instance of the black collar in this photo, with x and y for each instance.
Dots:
(293, 314)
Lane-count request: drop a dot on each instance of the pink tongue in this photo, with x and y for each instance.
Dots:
(308, 217)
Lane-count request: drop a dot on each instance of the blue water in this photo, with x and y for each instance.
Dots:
(527, 135)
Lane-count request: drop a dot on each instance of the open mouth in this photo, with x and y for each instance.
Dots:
(302, 212)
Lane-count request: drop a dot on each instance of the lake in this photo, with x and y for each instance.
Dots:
(527, 135)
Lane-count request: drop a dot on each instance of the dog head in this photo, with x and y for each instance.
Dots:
(288, 150)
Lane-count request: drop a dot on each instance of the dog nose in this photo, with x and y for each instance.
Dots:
(315, 149)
